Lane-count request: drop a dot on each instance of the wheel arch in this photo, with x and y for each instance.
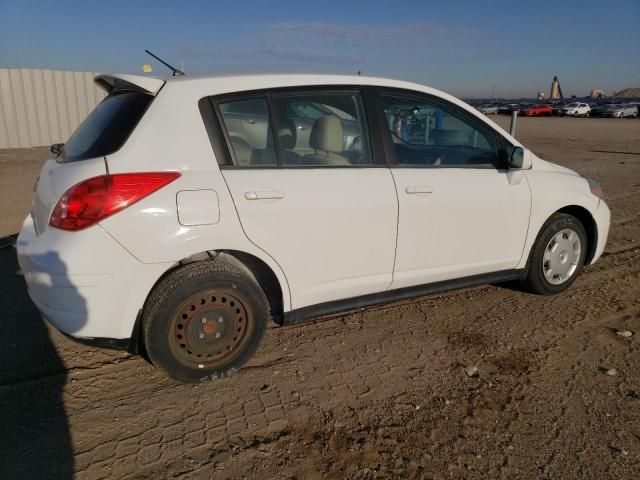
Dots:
(589, 224)
(263, 274)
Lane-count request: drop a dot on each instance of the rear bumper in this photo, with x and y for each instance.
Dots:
(602, 217)
(84, 283)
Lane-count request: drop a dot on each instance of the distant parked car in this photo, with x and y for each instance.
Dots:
(507, 108)
(620, 111)
(536, 111)
(557, 109)
(576, 109)
(487, 108)
(597, 111)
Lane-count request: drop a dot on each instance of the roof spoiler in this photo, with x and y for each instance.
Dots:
(138, 83)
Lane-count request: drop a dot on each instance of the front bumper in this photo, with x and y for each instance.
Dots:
(602, 217)
(84, 283)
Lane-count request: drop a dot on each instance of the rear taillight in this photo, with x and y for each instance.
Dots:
(95, 199)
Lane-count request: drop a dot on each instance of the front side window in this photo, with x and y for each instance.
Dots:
(249, 131)
(321, 129)
(429, 133)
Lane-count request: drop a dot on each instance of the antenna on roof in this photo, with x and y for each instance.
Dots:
(175, 71)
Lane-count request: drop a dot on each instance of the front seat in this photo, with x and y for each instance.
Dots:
(327, 140)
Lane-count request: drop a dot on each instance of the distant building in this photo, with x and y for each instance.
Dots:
(541, 96)
(597, 93)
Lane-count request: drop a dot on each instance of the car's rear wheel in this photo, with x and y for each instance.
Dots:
(558, 255)
(204, 320)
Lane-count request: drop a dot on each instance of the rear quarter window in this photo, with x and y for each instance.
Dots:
(107, 127)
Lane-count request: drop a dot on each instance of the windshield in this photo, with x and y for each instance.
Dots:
(572, 105)
(107, 127)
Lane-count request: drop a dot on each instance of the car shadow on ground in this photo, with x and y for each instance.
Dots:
(35, 440)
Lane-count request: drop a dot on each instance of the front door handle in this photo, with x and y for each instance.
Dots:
(264, 195)
(419, 189)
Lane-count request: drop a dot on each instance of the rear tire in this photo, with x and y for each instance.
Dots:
(557, 256)
(204, 320)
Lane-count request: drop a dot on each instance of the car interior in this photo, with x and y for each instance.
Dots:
(428, 135)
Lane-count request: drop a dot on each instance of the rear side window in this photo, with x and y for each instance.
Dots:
(249, 129)
(310, 128)
(107, 127)
(321, 129)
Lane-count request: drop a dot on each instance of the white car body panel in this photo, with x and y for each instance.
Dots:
(552, 186)
(332, 236)
(333, 232)
(83, 282)
(460, 227)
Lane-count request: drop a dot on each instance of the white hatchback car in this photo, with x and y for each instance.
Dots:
(184, 212)
(576, 109)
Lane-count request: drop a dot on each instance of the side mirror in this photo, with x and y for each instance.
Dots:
(519, 159)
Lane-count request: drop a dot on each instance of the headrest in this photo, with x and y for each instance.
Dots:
(287, 134)
(326, 134)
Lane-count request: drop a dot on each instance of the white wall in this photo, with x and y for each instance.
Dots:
(42, 107)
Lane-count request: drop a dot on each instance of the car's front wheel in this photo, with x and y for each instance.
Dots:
(558, 255)
(204, 320)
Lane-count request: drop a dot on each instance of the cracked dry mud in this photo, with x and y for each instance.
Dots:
(379, 393)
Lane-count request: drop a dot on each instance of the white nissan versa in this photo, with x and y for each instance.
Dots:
(184, 212)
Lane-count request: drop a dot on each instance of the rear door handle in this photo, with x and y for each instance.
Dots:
(264, 195)
(418, 189)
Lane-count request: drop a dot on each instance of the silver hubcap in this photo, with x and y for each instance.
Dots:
(561, 256)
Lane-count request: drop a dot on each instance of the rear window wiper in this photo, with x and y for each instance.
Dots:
(56, 148)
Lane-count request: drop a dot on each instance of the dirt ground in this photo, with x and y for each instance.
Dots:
(381, 393)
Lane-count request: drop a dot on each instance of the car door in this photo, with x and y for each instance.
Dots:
(461, 212)
(326, 212)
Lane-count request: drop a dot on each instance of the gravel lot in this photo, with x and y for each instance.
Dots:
(381, 393)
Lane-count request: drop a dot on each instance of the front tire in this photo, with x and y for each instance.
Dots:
(204, 320)
(558, 255)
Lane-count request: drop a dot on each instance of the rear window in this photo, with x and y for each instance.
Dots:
(107, 127)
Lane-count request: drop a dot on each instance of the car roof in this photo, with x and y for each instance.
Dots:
(246, 82)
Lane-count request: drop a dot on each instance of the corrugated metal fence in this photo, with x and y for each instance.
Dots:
(42, 107)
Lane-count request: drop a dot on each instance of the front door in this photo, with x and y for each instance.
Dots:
(320, 207)
(461, 213)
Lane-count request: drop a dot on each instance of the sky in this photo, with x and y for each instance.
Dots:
(461, 47)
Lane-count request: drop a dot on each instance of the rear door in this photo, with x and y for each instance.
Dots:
(461, 212)
(324, 208)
